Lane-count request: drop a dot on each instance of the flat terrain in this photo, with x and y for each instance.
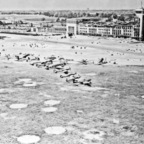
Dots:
(29, 18)
(113, 105)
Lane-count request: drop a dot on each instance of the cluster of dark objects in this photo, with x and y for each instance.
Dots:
(135, 50)
(57, 64)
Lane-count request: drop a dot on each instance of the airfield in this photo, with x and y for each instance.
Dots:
(56, 112)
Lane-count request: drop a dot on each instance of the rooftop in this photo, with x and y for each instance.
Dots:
(140, 9)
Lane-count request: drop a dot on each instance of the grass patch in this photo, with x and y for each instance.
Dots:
(123, 102)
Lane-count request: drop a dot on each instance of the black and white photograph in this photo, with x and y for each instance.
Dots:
(71, 71)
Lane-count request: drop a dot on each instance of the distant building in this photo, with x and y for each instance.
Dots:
(72, 26)
(59, 29)
(83, 26)
(53, 29)
(90, 26)
(140, 14)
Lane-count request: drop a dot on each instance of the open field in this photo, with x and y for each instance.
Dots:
(113, 108)
(26, 17)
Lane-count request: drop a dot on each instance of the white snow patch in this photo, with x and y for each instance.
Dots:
(55, 130)
(32, 84)
(52, 102)
(94, 134)
(5, 91)
(28, 139)
(142, 97)
(64, 89)
(18, 106)
(47, 96)
(116, 121)
(80, 111)
(3, 115)
(92, 88)
(49, 109)
(59, 83)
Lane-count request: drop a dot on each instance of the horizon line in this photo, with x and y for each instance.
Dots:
(71, 10)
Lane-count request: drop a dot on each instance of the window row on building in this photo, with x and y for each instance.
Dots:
(129, 31)
(59, 30)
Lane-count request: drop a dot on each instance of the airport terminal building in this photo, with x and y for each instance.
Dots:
(127, 30)
(87, 26)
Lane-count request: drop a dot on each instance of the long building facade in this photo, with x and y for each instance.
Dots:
(55, 29)
(116, 31)
(119, 30)
(134, 30)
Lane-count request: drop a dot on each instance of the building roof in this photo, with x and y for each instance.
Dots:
(140, 9)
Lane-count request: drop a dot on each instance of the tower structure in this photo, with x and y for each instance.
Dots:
(72, 26)
(140, 15)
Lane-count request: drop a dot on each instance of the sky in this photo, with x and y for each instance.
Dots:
(69, 4)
